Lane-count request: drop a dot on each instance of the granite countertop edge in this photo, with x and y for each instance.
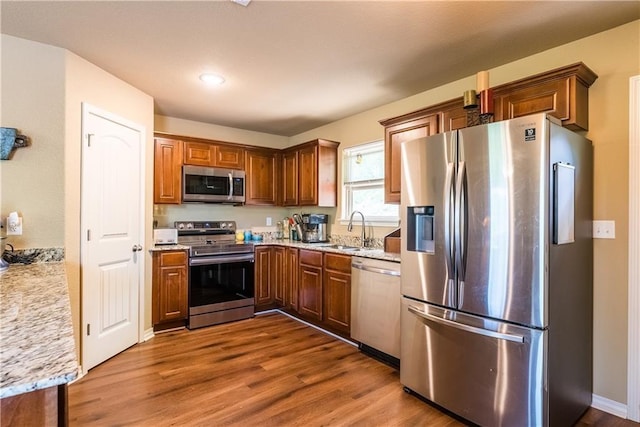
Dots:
(374, 253)
(38, 346)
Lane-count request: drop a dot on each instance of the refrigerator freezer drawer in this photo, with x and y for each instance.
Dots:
(488, 372)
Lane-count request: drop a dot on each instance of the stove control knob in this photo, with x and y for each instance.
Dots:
(181, 226)
(189, 225)
(223, 225)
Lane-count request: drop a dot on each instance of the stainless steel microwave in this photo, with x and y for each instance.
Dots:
(212, 185)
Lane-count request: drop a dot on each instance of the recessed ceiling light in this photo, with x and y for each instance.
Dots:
(212, 79)
(244, 3)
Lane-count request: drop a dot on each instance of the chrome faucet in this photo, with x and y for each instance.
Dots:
(350, 227)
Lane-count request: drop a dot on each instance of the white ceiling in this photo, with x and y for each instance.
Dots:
(291, 66)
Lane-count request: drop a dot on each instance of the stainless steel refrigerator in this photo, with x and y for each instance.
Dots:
(497, 272)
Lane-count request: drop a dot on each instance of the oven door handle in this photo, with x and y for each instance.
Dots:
(209, 260)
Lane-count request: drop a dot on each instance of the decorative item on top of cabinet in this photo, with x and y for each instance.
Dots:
(167, 172)
(169, 289)
(337, 292)
(310, 174)
(395, 133)
(262, 176)
(310, 284)
(563, 93)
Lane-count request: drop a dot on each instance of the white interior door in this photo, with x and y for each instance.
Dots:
(111, 233)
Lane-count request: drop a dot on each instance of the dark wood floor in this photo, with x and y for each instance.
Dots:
(266, 371)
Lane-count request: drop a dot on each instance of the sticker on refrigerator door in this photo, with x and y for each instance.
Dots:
(530, 134)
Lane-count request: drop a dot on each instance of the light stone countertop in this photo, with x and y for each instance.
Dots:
(324, 247)
(37, 348)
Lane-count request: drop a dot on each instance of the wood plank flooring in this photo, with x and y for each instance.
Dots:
(267, 371)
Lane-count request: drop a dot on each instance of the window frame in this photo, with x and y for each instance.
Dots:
(347, 187)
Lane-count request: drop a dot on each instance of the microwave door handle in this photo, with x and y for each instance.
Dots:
(230, 186)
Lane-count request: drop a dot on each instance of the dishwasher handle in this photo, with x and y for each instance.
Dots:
(373, 269)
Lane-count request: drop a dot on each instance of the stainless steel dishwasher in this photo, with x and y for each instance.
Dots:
(375, 307)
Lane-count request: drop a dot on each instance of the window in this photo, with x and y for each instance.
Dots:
(363, 184)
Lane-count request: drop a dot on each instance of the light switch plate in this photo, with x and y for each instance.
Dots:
(604, 229)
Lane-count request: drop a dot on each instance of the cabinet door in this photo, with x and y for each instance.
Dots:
(170, 292)
(453, 118)
(291, 279)
(290, 178)
(308, 176)
(278, 274)
(310, 284)
(198, 153)
(263, 275)
(337, 292)
(262, 182)
(394, 136)
(167, 171)
(337, 300)
(226, 156)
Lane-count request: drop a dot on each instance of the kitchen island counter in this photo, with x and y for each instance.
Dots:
(38, 348)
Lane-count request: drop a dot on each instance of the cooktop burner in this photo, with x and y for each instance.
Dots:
(210, 238)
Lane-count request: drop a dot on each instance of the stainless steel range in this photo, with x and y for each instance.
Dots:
(221, 272)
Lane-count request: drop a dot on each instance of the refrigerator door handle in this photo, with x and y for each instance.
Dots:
(467, 328)
(448, 221)
(461, 219)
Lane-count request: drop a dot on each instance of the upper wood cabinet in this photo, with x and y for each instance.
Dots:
(167, 171)
(563, 93)
(262, 177)
(290, 178)
(396, 134)
(310, 174)
(198, 153)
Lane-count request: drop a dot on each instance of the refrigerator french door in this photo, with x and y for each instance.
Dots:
(497, 253)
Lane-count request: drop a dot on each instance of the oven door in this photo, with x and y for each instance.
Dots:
(220, 282)
(205, 184)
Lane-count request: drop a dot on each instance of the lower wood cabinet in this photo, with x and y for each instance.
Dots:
(310, 284)
(170, 294)
(337, 292)
(291, 276)
(270, 267)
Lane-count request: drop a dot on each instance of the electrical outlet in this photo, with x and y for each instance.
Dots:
(604, 229)
(269, 221)
(14, 227)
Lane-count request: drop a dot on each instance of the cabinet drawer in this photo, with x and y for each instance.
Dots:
(173, 258)
(337, 262)
(311, 257)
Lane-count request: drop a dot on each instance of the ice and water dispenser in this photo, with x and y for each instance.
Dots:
(420, 227)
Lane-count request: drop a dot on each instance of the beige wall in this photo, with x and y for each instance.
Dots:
(614, 56)
(32, 180)
(86, 83)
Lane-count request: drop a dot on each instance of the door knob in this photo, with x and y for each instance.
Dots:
(137, 248)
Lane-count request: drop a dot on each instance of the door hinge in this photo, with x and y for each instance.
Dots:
(88, 329)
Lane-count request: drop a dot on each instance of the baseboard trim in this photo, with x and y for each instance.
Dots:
(610, 406)
(309, 324)
(148, 334)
